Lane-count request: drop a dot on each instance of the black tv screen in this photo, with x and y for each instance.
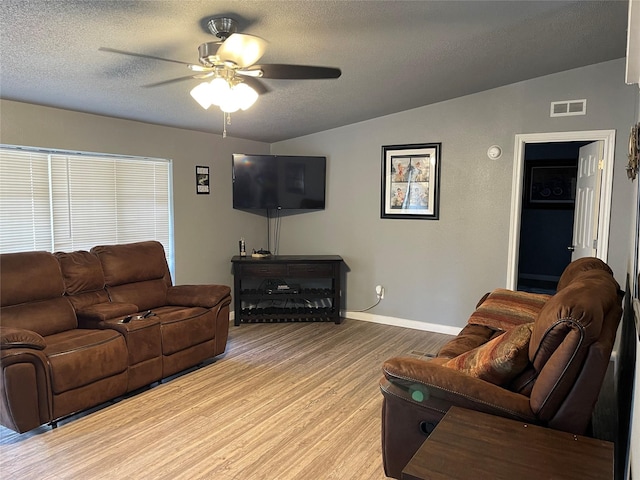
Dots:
(278, 182)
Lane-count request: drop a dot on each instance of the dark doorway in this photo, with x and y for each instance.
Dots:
(546, 219)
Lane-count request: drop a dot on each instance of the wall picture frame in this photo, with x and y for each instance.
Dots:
(411, 181)
(550, 184)
(202, 180)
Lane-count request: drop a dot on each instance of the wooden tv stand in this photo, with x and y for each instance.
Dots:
(287, 288)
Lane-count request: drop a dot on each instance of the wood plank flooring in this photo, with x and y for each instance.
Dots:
(286, 401)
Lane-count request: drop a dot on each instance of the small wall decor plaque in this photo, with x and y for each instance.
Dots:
(202, 180)
(634, 152)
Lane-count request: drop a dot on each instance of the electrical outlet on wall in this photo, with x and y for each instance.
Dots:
(380, 292)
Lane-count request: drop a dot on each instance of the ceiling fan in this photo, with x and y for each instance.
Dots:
(231, 63)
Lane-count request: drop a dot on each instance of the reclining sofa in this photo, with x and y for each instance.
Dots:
(534, 358)
(78, 329)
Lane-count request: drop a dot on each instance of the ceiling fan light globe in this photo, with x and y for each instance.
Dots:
(219, 90)
(243, 50)
(229, 106)
(252, 53)
(200, 94)
(244, 95)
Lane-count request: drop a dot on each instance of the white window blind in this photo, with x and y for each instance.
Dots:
(25, 215)
(66, 201)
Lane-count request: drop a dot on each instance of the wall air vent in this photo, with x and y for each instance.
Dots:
(567, 108)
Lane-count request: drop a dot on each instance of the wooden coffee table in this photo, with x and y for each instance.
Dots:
(468, 444)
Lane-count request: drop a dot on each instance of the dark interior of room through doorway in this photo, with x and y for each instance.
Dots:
(546, 218)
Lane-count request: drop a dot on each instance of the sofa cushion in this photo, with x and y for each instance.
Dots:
(83, 300)
(182, 327)
(470, 337)
(504, 309)
(146, 295)
(29, 276)
(81, 272)
(132, 262)
(44, 317)
(82, 356)
(499, 360)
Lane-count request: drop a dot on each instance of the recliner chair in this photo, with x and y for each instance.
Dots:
(534, 358)
(50, 367)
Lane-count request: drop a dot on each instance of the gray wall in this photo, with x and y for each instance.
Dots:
(207, 229)
(435, 271)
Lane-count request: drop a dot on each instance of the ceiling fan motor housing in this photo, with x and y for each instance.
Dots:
(222, 27)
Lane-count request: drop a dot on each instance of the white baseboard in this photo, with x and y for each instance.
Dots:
(403, 322)
(393, 321)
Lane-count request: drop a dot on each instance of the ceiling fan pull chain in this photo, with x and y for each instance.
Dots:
(224, 125)
(226, 120)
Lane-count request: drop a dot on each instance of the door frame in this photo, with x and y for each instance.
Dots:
(606, 190)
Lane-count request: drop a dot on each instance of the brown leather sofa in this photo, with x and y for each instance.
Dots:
(64, 346)
(535, 358)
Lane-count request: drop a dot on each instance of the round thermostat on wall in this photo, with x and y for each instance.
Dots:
(494, 152)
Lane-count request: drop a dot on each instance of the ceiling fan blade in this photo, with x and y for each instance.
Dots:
(256, 84)
(241, 49)
(296, 72)
(141, 55)
(172, 80)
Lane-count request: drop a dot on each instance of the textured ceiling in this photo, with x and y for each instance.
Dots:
(394, 55)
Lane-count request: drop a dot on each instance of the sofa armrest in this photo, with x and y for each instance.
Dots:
(207, 296)
(436, 387)
(26, 400)
(93, 316)
(11, 337)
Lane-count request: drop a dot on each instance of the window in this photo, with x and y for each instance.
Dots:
(66, 201)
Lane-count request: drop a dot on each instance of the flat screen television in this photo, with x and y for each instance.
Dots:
(278, 182)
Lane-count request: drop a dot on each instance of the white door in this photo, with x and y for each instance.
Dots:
(607, 137)
(585, 219)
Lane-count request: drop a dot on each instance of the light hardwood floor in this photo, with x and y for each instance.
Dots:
(286, 401)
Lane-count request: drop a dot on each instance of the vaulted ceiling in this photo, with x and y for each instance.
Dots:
(394, 55)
